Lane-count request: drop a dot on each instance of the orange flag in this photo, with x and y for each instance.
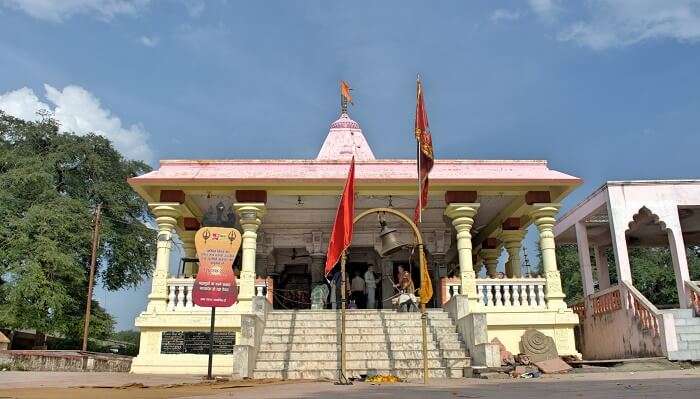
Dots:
(341, 235)
(345, 91)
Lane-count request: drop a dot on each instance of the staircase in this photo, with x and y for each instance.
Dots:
(688, 334)
(305, 344)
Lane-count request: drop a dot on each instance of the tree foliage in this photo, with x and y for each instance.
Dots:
(652, 272)
(50, 184)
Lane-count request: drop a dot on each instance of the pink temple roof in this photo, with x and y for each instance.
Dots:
(319, 171)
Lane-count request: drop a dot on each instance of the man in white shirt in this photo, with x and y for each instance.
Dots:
(358, 290)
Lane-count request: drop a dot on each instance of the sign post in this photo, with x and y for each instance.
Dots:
(215, 284)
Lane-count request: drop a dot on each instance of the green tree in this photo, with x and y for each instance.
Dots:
(50, 184)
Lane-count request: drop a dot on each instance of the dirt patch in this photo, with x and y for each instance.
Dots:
(135, 390)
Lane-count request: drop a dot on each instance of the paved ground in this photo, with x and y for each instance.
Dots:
(679, 384)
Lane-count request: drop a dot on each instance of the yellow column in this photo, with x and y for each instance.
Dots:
(462, 215)
(512, 241)
(189, 249)
(491, 260)
(543, 216)
(166, 219)
(250, 215)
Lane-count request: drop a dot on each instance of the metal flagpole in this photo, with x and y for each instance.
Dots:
(423, 318)
(343, 379)
(420, 192)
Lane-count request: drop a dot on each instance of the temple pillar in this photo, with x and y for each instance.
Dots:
(250, 215)
(166, 220)
(512, 241)
(543, 216)
(318, 266)
(490, 256)
(462, 215)
(584, 259)
(189, 251)
(602, 268)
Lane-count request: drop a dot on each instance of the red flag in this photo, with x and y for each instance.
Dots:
(342, 227)
(425, 155)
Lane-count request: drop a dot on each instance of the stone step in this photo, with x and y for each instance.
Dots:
(429, 311)
(332, 338)
(357, 323)
(360, 346)
(391, 331)
(679, 313)
(360, 355)
(690, 354)
(688, 329)
(351, 315)
(395, 364)
(695, 321)
(689, 336)
(332, 374)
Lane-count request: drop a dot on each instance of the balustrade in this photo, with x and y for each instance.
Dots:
(606, 301)
(580, 309)
(642, 310)
(509, 293)
(451, 286)
(180, 293)
(694, 296)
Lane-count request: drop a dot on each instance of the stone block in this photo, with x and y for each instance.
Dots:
(486, 355)
(538, 346)
(243, 362)
(506, 357)
(553, 366)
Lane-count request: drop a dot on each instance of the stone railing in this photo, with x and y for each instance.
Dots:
(606, 301)
(580, 309)
(180, 292)
(694, 295)
(449, 287)
(511, 293)
(646, 314)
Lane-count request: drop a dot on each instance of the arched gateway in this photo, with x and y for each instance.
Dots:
(285, 210)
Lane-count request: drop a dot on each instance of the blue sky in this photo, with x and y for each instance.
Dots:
(602, 89)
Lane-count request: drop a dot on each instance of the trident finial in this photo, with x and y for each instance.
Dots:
(345, 96)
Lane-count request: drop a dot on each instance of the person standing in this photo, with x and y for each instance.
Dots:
(370, 287)
(358, 290)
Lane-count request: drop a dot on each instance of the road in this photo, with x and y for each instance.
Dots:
(679, 384)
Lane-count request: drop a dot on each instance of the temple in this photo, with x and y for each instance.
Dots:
(477, 216)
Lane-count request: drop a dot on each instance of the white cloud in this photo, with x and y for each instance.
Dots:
(502, 14)
(22, 103)
(194, 7)
(149, 41)
(59, 10)
(547, 10)
(77, 110)
(617, 23)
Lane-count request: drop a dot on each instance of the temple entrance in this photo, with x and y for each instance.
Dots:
(293, 288)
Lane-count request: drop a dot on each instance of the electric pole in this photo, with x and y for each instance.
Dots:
(95, 244)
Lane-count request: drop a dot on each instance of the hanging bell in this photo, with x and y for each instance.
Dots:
(389, 241)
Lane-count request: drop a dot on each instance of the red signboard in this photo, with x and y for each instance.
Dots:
(215, 284)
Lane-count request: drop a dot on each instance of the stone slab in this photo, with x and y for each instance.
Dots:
(553, 366)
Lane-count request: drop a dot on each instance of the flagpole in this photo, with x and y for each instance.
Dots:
(420, 192)
(343, 380)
